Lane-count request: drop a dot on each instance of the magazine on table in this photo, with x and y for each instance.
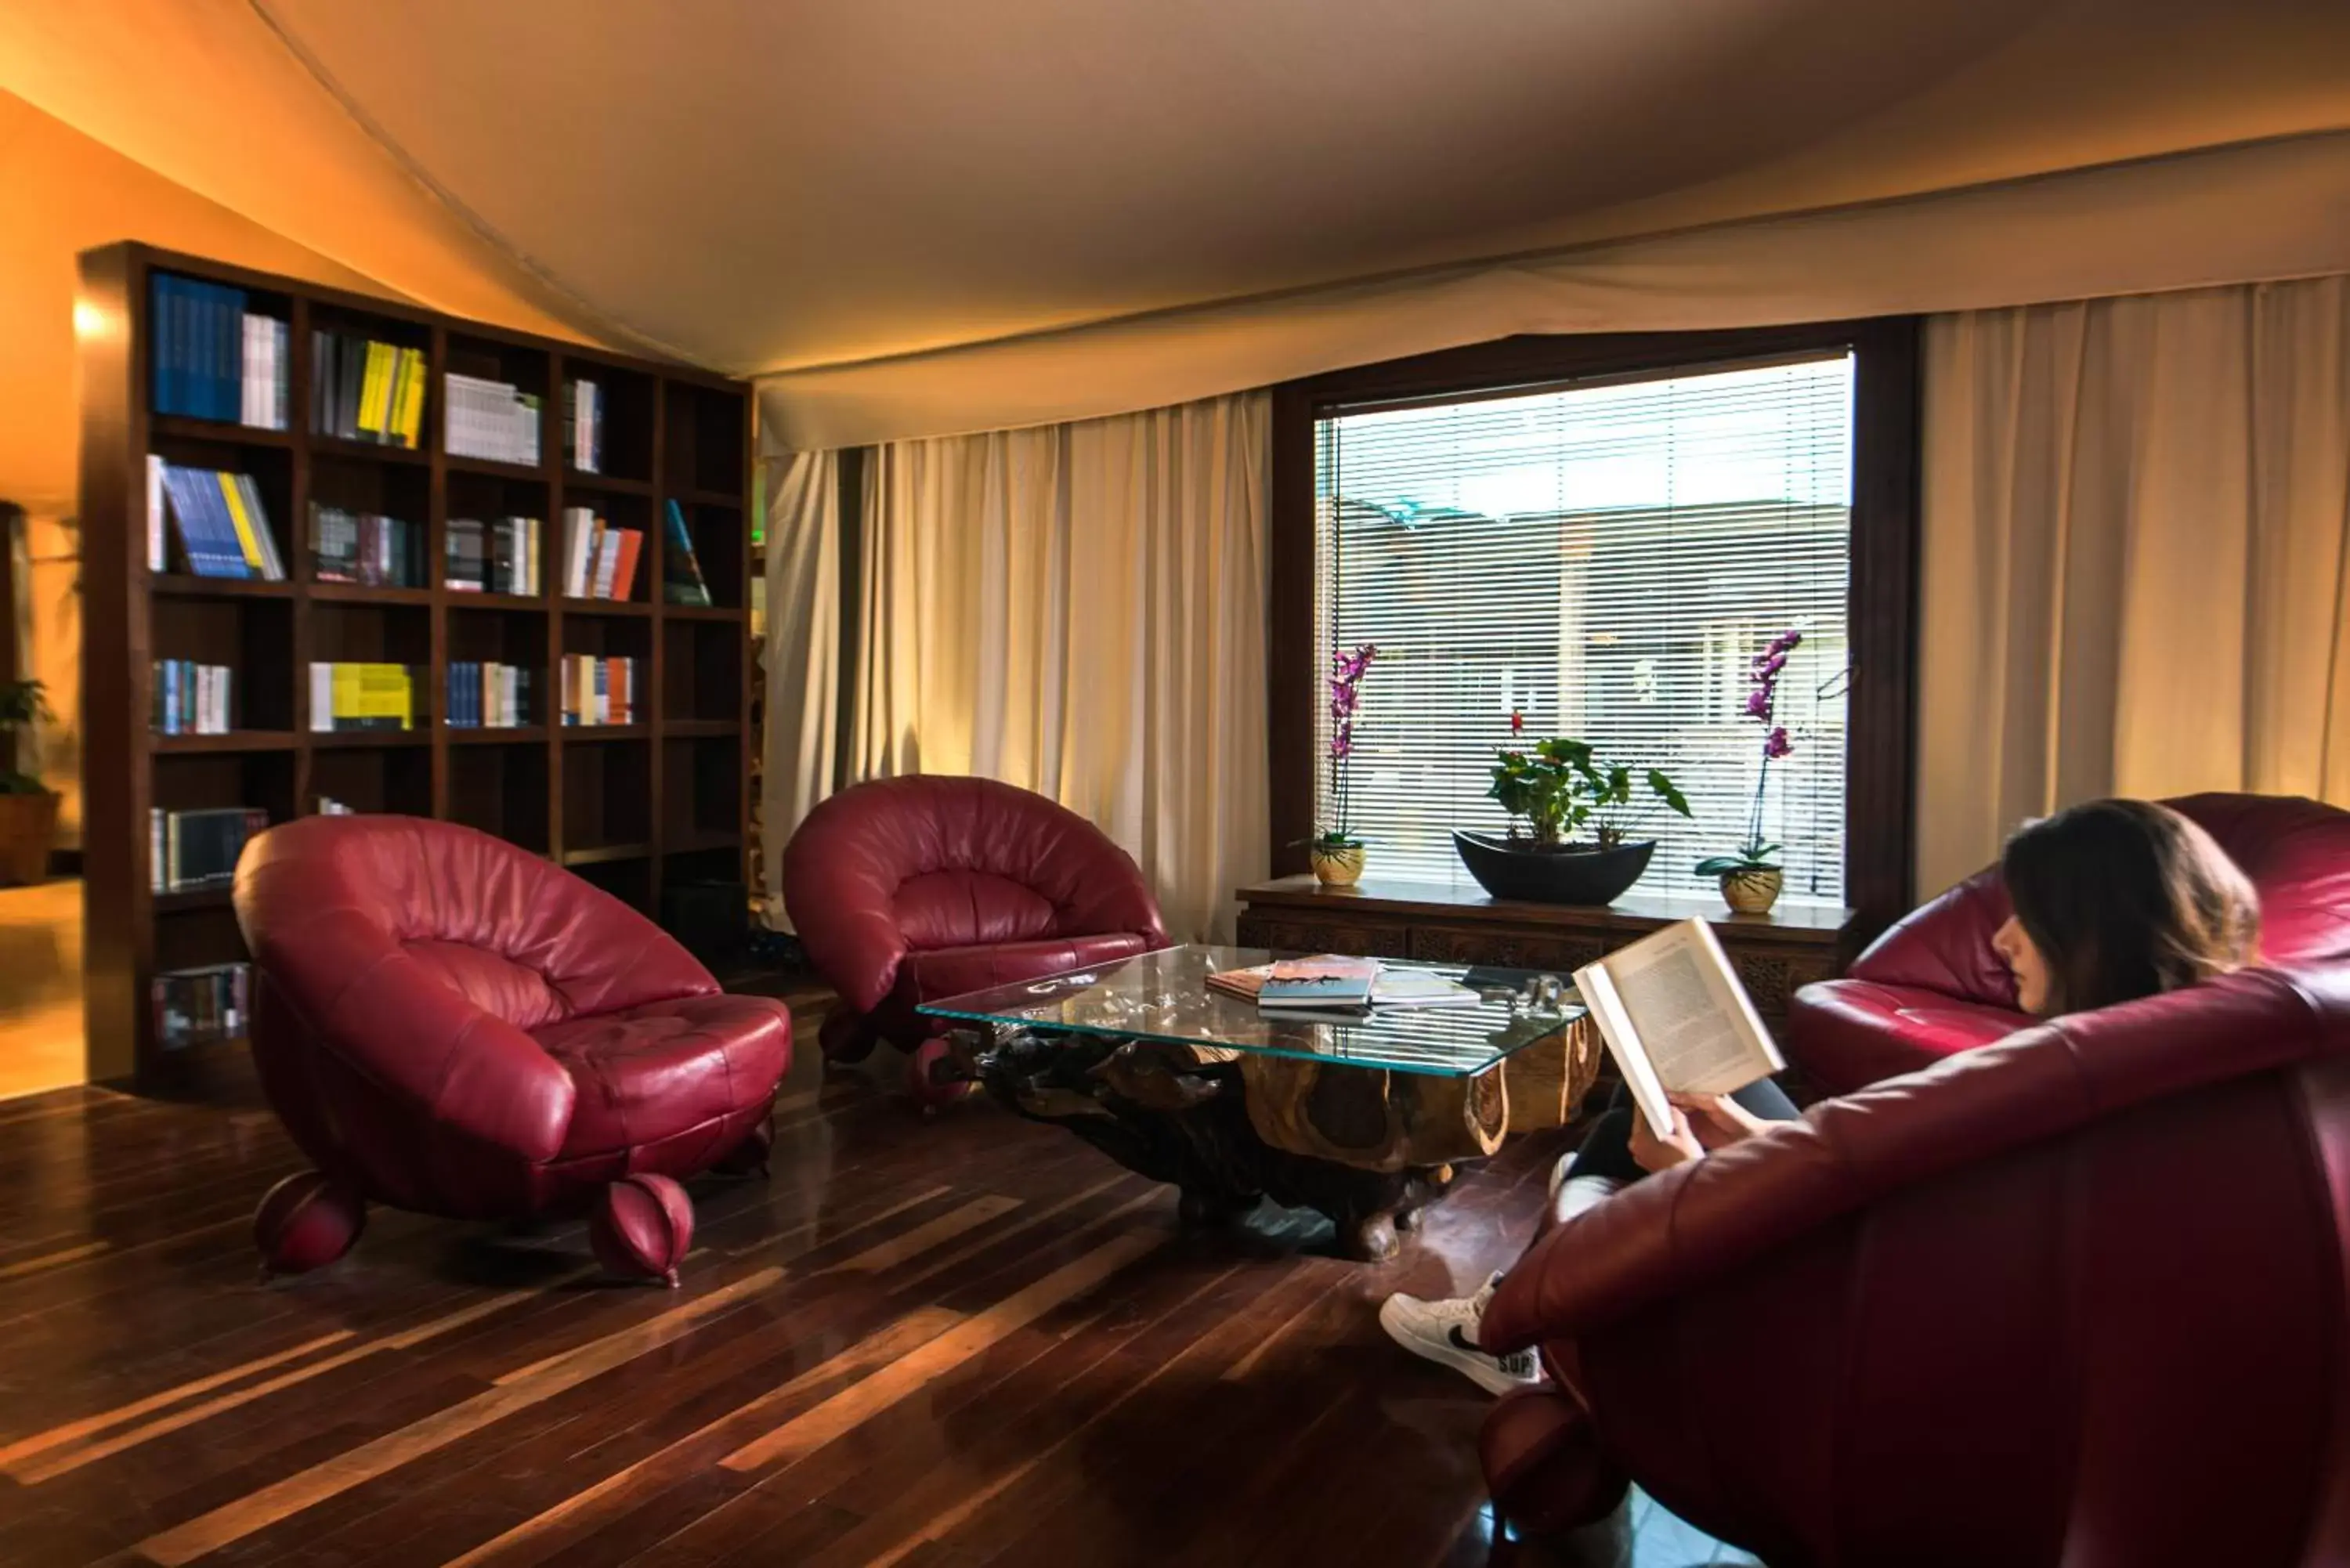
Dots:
(1672, 1013)
(1331, 981)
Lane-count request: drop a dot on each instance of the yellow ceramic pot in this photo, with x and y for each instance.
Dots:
(1752, 891)
(1338, 867)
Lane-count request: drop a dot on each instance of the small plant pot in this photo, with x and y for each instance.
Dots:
(1338, 867)
(1753, 890)
(28, 828)
(1553, 874)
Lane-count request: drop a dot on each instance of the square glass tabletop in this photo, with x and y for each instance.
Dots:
(1164, 996)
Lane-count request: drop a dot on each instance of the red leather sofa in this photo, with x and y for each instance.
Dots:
(2080, 1298)
(906, 890)
(448, 1025)
(1931, 985)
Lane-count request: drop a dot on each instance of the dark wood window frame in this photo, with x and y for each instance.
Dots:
(1881, 749)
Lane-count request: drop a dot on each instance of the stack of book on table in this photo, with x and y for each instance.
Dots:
(1332, 983)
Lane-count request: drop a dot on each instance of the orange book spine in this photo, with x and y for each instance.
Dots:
(624, 573)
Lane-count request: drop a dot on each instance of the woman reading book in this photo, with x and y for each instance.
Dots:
(2113, 901)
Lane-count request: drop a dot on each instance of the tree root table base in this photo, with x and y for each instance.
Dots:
(1367, 1146)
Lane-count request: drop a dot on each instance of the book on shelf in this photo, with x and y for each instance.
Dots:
(330, 807)
(365, 389)
(220, 520)
(488, 695)
(600, 561)
(191, 850)
(583, 427)
(365, 548)
(197, 1006)
(213, 359)
(494, 419)
(681, 579)
(1672, 1013)
(190, 699)
(597, 690)
(359, 696)
(499, 557)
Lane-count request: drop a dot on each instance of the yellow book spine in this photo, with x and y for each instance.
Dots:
(412, 404)
(345, 693)
(373, 389)
(246, 540)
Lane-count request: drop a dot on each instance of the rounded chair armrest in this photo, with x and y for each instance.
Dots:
(360, 998)
(1696, 1222)
(1943, 946)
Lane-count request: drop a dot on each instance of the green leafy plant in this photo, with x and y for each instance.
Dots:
(23, 704)
(1560, 786)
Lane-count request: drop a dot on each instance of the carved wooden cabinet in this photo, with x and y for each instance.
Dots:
(1444, 924)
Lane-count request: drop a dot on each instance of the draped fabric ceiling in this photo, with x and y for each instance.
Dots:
(917, 218)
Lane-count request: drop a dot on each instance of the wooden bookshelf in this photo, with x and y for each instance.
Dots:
(635, 808)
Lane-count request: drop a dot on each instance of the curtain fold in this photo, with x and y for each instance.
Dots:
(800, 659)
(2137, 518)
(1079, 610)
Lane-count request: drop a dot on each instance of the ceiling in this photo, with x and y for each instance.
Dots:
(769, 187)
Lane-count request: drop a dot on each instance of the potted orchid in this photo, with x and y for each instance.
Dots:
(1334, 851)
(1750, 879)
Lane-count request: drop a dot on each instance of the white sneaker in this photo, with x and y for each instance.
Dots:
(1446, 1332)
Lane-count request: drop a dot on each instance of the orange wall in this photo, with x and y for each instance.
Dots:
(62, 194)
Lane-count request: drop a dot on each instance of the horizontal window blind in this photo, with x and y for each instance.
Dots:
(1606, 560)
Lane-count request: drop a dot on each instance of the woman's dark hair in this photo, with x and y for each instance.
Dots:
(2125, 899)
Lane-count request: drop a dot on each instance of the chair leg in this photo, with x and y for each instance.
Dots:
(749, 1157)
(934, 1077)
(641, 1228)
(305, 1223)
(845, 1037)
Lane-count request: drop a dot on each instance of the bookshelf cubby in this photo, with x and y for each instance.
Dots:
(657, 802)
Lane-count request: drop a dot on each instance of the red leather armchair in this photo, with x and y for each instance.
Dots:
(906, 890)
(450, 1025)
(1931, 985)
(2079, 1298)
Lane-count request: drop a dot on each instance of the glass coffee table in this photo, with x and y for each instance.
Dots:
(1365, 1120)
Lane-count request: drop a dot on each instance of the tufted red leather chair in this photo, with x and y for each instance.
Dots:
(2081, 1298)
(1931, 985)
(447, 1024)
(906, 890)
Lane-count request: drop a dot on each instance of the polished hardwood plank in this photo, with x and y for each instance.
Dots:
(945, 1342)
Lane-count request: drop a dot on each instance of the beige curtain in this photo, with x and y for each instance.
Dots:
(800, 659)
(2137, 535)
(1080, 609)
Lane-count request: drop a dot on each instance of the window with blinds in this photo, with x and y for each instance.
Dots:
(1606, 559)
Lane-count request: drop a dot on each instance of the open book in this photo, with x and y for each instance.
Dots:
(1676, 1019)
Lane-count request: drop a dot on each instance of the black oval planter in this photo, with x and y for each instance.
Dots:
(1577, 874)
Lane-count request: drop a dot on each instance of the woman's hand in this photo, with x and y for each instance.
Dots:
(1717, 1119)
(1653, 1154)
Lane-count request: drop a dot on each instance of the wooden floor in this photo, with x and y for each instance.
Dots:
(962, 1342)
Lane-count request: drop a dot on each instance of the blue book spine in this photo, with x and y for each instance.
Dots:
(159, 339)
(227, 545)
(171, 697)
(228, 353)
